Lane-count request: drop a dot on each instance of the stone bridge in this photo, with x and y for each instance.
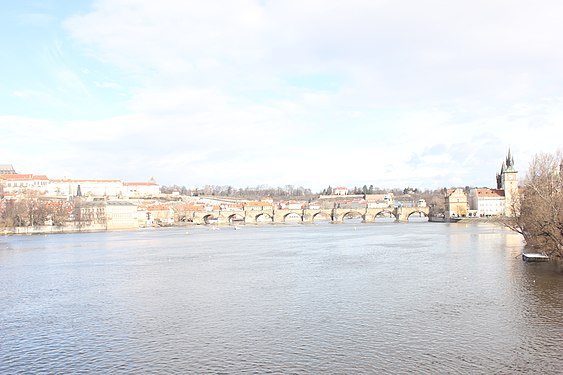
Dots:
(280, 216)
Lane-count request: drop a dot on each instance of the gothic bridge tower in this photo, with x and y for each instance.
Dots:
(507, 181)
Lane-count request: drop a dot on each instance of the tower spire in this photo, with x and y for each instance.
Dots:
(510, 162)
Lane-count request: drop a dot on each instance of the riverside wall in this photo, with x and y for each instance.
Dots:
(50, 229)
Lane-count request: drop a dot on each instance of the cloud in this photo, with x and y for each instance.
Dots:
(381, 51)
(244, 92)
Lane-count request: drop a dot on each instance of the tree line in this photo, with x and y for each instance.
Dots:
(34, 210)
(248, 192)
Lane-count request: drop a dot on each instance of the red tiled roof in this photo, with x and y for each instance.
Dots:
(490, 193)
(158, 207)
(451, 191)
(21, 177)
(140, 184)
(100, 181)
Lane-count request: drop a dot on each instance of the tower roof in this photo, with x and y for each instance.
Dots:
(509, 162)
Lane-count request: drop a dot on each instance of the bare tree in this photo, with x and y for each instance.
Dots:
(13, 214)
(539, 209)
(59, 212)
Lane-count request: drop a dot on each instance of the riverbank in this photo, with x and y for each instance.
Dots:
(51, 229)
(465, 220)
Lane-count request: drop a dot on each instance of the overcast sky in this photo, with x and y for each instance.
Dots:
(311, 93)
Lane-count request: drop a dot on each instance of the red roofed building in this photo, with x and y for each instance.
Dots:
(487, 202)
(503, 199)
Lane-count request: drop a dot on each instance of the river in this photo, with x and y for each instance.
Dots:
(288, 299)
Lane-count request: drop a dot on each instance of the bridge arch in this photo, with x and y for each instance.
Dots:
(352, 215)
(321, 216)
(210, 219)
(263, 218)
(236, 218)
(292, 217)
(419, 213)
(386, 213)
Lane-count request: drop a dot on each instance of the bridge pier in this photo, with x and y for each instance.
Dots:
(368, 218)
(308, 216)
(249, 219)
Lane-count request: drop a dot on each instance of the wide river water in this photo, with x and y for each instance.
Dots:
(284, 299)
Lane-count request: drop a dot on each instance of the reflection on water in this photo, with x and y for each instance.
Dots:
(349, 298)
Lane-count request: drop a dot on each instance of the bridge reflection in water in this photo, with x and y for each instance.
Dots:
(307, 216)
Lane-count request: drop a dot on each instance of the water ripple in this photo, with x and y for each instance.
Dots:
(290, 299)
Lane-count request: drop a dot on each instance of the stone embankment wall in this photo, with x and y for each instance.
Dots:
(47, 229)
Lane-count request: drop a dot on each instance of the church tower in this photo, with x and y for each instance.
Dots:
(509, 183)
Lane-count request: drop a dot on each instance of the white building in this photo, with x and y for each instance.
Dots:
(102, 188)
(17, 183)
(121, 215)
(487, 202)
(380, 200)
(313, 206)
(141, 189)
(291, 205)
(340, 190)
(86, 188)
(294, 205)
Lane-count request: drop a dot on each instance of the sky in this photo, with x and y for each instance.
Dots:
(390, 93)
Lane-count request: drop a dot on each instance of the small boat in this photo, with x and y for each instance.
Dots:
(534, 257)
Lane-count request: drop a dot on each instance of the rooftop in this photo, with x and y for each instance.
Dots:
(492, 193)
(21, 177)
